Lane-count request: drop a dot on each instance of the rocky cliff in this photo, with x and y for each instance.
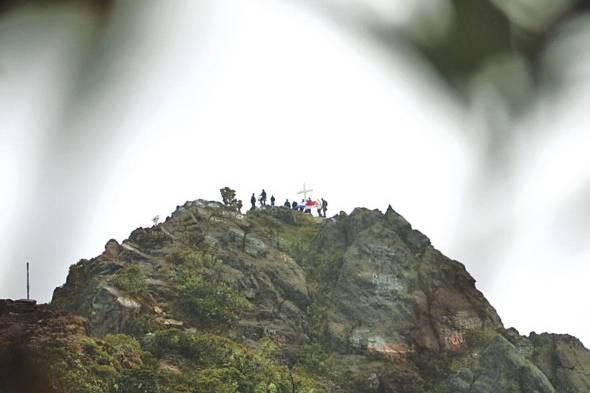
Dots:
(278, 301)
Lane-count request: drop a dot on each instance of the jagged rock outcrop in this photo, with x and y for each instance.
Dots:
(353, 303)
(564, 360)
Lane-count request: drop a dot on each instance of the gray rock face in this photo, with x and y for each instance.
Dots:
(385, 310)
(564, 360)
(396, 288)
(112, 310)
(499, 368)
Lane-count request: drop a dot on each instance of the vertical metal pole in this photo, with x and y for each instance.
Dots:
(28, 286)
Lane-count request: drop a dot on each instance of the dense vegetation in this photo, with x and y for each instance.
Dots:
(172, 360)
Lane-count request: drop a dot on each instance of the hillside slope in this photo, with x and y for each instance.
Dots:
(279, 301)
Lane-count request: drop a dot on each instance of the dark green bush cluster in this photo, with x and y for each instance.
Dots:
(103, 363)
(71, 374)
(139, 380)
(201, 295)
(197, 261)
(131, 279)
(114, 364)
(140, 325)
(221, 365)
(99, 368)
(314, 358)
(211, 303)
(228, 196)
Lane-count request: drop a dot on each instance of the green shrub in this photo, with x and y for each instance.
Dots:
(138, 380)
(125, 349)
(201, 348)
(131, 279)
(221, 380)
(223, 366)
(123, 342)
(314, 359)
(205, 362)
(201, 297)
(71, 373)
(228, 196)
(140, 325)
(211, 304)
(98, 353)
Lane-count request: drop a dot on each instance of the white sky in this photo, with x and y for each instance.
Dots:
(267, 93)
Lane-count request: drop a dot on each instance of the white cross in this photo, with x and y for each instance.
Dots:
(304, 191)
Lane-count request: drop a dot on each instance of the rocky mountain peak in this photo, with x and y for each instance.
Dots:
(358, 302)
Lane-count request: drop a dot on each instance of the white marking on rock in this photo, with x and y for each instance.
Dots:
(167, 233)
(129, 247)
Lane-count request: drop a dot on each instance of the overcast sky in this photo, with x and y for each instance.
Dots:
(189, 96)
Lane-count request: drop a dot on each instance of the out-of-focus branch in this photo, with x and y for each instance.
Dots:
(101, 8)
(468, 36)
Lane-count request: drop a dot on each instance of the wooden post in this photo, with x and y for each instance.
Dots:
(28, 283)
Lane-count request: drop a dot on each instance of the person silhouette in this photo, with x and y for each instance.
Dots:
(263, 198)
(308, 206)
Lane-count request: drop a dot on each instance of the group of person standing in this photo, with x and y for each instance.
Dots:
(306, 206)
